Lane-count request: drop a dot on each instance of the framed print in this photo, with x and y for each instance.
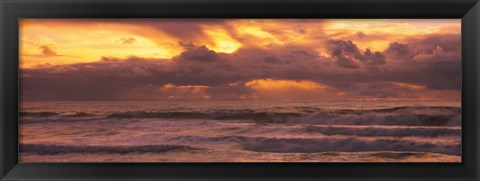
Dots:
(242, 90)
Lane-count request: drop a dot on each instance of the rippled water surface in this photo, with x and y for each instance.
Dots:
(240, 131)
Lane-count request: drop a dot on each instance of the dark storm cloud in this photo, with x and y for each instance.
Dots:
(373, 58)
(399, 50)
(433, 63)
(199, 54)
(437, 74)
(347, 55)
(437, 47)
(449, 42)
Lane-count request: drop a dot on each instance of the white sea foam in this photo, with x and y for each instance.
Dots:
(272, 130)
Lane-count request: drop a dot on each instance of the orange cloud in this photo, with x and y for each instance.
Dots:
(222, 41)
(184, 92)
(87, 40)
(270, 84)
(408, 86)
(270, 89)
(128, 41)
(377, 34)
(230, 59)
(47, 51)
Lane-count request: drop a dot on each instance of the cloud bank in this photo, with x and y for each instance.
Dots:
(426, 67)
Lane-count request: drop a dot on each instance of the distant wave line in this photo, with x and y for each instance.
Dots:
(427, 116)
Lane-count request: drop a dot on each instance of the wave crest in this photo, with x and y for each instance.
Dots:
(380, 131)
(412, 116)
(57, 149)
(350, 144)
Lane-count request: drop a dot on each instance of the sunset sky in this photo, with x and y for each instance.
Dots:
(239, 59)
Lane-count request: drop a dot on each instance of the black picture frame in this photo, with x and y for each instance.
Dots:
(12, 10)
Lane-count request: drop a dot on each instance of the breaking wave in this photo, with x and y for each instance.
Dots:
(381, 131)
(53, 120)
(37, 114)
(350, 144)
(414, 116)
(255, 116)
(58, 149)
(53, 114)
(441, 110)
(78, 115)
(325, 144)
(328, 118)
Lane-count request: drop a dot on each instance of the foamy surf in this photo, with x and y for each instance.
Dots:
(239, 131)
(242, 156)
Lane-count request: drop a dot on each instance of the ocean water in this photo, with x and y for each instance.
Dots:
(248, 131)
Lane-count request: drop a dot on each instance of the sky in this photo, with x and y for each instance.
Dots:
(240, 59)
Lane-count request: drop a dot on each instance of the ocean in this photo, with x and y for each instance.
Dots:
(240, 131)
